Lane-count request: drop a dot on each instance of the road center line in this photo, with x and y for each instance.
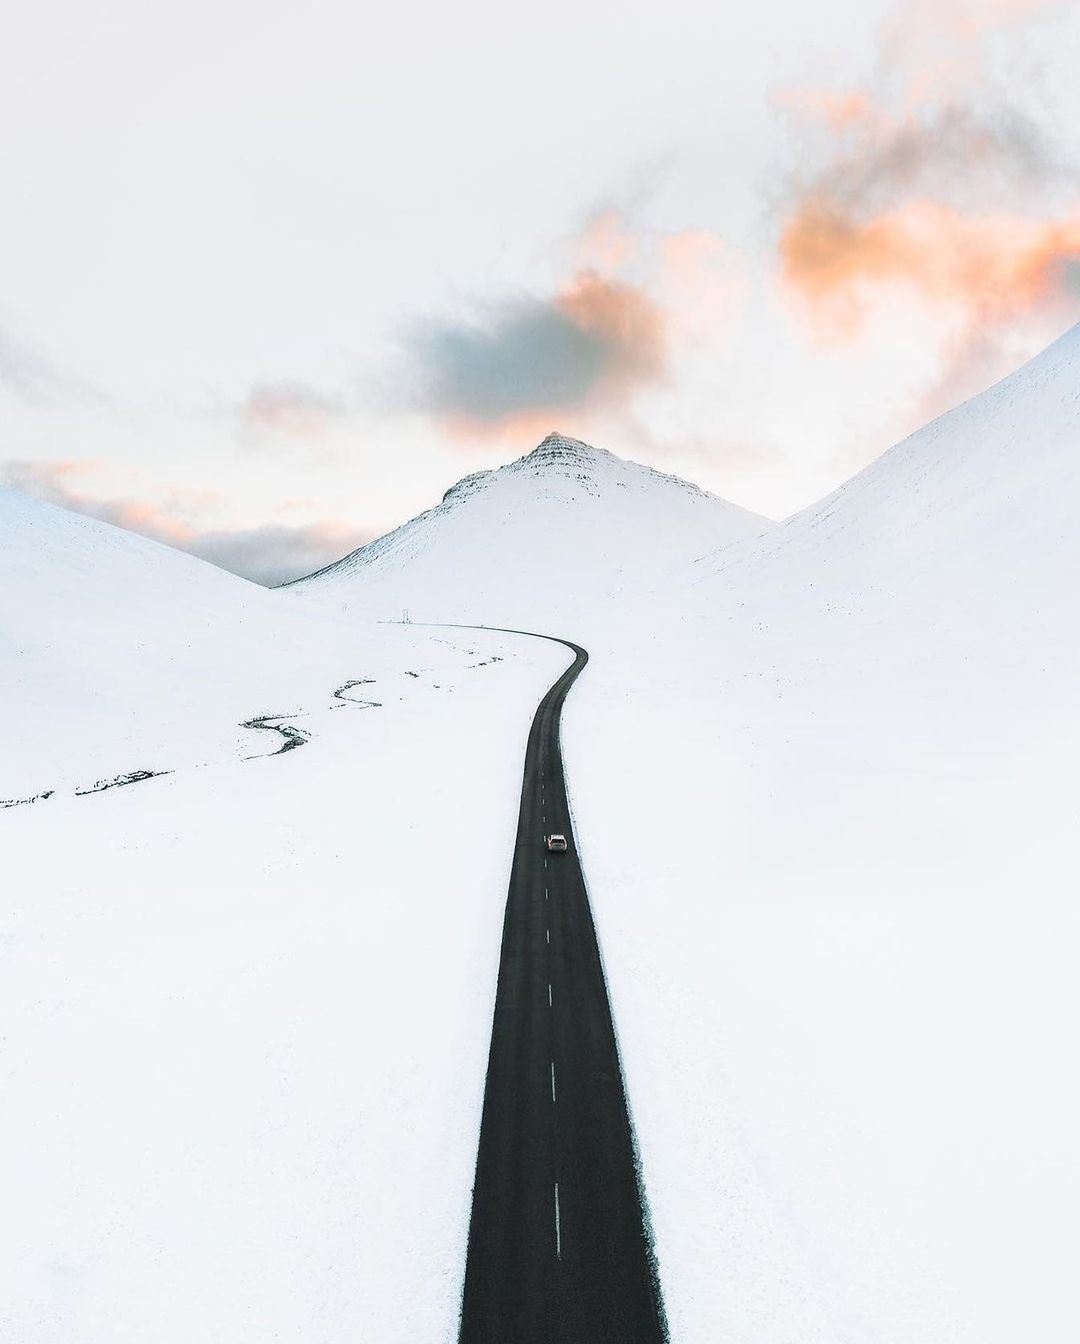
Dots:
(552, 1080)
(549, 996)
(558, 1230)
(547, 935)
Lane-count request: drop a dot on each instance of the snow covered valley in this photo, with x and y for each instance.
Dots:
(822, 782)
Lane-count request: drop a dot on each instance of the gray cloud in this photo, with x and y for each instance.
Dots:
(965, 156)
(528, 355)
(269, 554)
(596, 341)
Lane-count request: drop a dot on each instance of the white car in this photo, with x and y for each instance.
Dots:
(556, 843)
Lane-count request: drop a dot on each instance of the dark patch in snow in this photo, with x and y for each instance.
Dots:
(132, 777)
(340, 694)
(275, 723)
(412, 674)
(22, 802)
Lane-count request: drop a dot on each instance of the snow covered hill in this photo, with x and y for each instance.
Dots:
(980, 505)
(246, 962)
(103, 630)
(842, 964)
(558, 532)
(123, 655)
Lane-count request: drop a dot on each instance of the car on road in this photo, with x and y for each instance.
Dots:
(556, 843)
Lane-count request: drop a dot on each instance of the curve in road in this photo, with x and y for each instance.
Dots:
(559, 1250)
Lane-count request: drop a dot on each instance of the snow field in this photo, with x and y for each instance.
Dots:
(247, 1011)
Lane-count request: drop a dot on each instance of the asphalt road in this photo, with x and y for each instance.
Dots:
(558, 1250)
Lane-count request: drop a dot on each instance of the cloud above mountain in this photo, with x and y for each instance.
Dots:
(593, 343)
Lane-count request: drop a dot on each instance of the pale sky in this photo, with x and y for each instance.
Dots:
(272, 277)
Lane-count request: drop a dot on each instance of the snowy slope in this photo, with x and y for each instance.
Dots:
(102, 632)
(983, 501)
(246, 1018)
(124, 654)
(842, 966)
(562, 530)
(246, 1002)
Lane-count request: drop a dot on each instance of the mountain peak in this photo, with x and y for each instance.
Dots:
(560, 450)
(564, 511)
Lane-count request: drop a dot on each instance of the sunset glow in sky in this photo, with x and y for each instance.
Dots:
(273, 276)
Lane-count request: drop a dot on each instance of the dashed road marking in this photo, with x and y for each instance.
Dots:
(552, 1080)
(549, 996)
(558, 1229)
(547, 935)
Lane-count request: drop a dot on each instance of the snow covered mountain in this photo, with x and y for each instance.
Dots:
(559, 531)
(981, 505)
(866, 722)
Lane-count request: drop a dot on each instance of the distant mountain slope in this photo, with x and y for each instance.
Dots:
(111, 639)
(120, 653)
(982, 501)
(563, 528)
(76, 593)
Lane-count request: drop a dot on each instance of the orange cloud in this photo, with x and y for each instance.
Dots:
(985, 265)
(915, 183)
(624, 320)
(910, 190)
